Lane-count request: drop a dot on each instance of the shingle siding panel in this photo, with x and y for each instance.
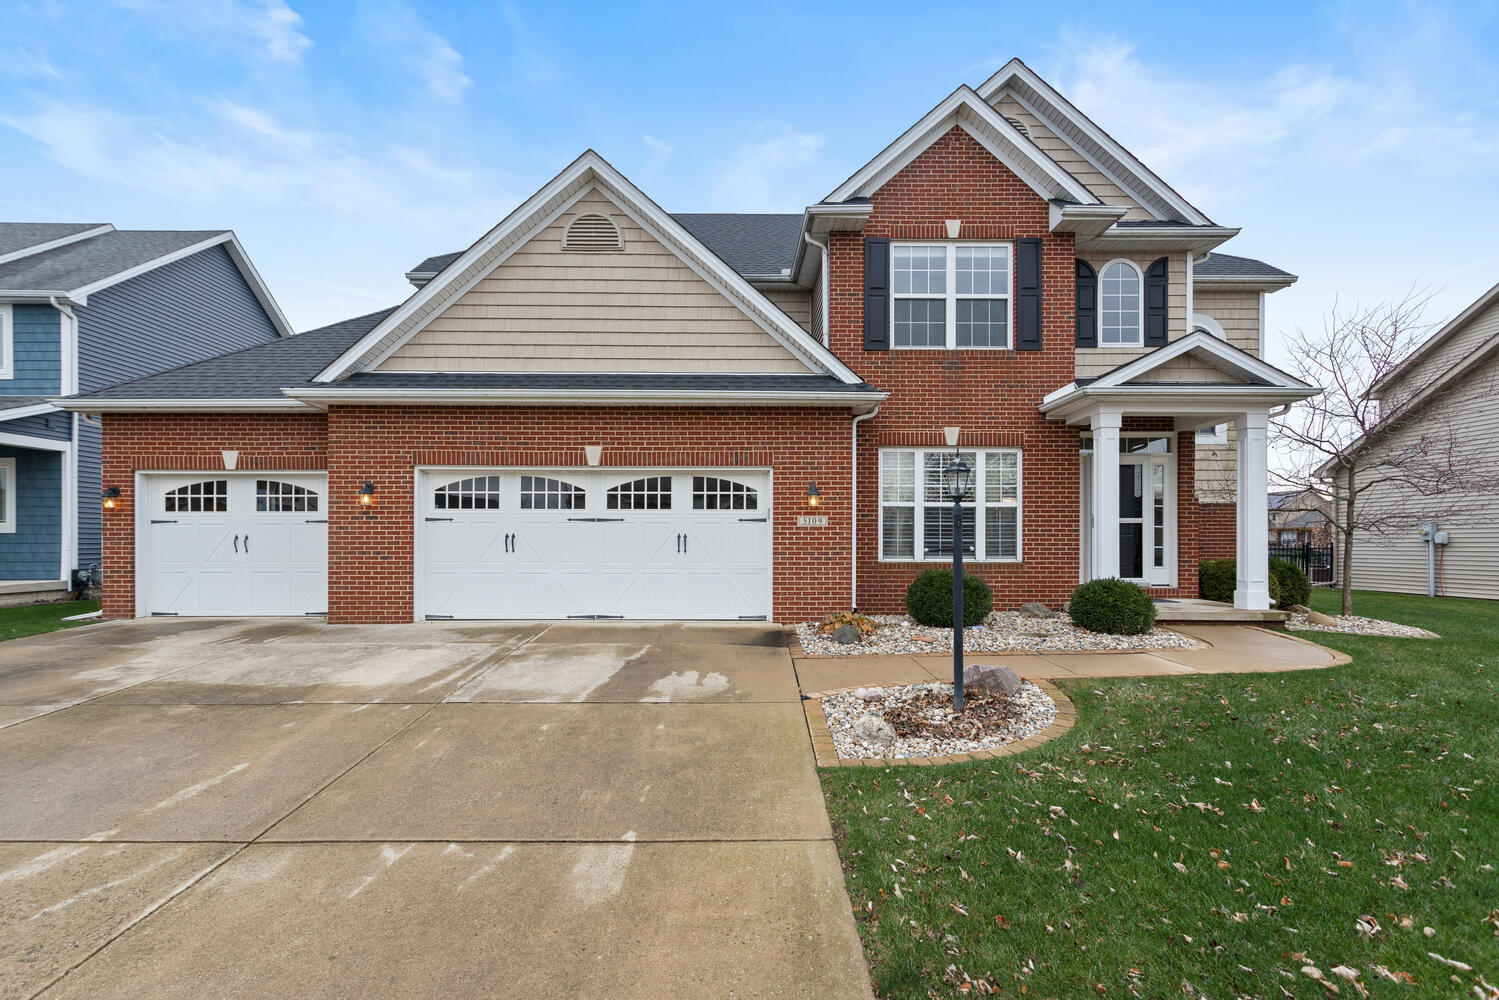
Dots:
(90, 522)
(186, 311)
(36, 352)
(33, 551)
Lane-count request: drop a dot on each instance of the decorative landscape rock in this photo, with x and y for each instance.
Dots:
(991, 678)
(1038, 610)
(1354, 625)
(847, 635)
(1300, 609)
(873, 731)
(1002, 632)
(1318, 618)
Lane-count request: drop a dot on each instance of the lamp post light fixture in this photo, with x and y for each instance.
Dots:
(958, 477)
(111, 498)
(367, 494)
(814, 496)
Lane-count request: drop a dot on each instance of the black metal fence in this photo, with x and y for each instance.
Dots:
(1315, 560)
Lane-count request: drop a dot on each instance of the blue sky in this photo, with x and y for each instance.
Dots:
(1357, 144)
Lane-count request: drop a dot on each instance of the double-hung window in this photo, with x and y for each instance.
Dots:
(7, 495)
(951, 295)
(916, 516)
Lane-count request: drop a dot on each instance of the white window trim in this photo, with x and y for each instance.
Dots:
(8, 469)
(979, 506)
(1139, 297)
(951, 296)
(8, 340)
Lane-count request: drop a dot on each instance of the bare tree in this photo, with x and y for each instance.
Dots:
(1389, 462)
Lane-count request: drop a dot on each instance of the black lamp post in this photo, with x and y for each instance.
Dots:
(958, 476)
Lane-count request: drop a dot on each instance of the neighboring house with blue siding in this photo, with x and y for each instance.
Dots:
(84, 306)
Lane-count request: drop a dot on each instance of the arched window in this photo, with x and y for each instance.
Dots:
(208, 497)
(650, 493)
(544, 493)
(275, 497)
(717, 493)
(1208, 325)
(592, 232)
(478, 493)
(1119, 315)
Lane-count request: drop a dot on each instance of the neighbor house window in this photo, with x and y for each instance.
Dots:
(7, 495)
(916, 518)
(951, 295)
(1119, 302)
(7, 340)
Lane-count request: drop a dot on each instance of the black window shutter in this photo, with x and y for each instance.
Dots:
(876, 295)
(1087, 305)
(1028, 306)
(1156, 279)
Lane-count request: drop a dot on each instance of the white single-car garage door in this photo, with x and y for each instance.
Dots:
(672, 544)
(234, 544)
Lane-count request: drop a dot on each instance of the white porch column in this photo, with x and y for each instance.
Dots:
(1252, 552)
(1105, 528)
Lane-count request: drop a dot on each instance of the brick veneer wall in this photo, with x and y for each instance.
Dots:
(190, 442)
(992, 395)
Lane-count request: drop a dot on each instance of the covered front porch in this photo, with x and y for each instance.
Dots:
(1129, 518)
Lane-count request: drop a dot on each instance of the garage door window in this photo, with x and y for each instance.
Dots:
(478, 493)
(275, 497)
(716, 493)
(543, 493)
(650, 493)
(208, 497)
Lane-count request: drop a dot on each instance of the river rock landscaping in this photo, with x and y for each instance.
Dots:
(1002, 632)
(1354, 625)
(917, 720)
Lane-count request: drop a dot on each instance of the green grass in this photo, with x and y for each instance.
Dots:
(1205, 836)
(34, 619)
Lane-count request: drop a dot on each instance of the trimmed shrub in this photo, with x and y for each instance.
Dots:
(1216, 579)
(1115, 607)
(1288, 584)
(929, 599)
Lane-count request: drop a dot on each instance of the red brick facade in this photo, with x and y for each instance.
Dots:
(993, 395)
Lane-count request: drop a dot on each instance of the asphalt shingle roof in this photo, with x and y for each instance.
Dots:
(82, 263)
(1225, 265)
(8, 403)
(750, 243)
(259, 372)
(20, 235)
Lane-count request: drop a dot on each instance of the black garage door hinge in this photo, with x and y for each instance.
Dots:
(315, 614)
(439, 518)
(596, 617)
(596, 519)
(154, 521)
(438, 618)
(761, 520)
(317, 520)
(164, 614)
(752, 618)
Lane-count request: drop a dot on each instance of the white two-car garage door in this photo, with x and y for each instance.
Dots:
(508, 543)
(233, 544)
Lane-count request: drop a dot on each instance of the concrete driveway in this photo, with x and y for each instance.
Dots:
(199, 808)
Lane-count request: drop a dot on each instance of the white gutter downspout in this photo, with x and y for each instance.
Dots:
(67, 382)
(823, 305)
(853, 579)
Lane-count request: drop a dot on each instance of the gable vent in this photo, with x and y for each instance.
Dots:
(1019, 126)
(592, 232)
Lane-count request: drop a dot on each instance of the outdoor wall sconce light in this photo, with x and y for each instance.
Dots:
(111, 498)
(367, 494)
(814, 496)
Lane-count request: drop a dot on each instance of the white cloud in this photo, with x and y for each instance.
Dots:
(658, 151)
(273, 26)
(426, 54)
(772, 174)
(19, 60)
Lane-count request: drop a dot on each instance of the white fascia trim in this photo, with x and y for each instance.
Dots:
(1236, 360)
(21, 412)
(1085, 217)
(1229, 283)
(41, 444)
(86, 405)
(593, 397)
(32, 251)
(593, 169)
(1022, 156)
(1070, 402)
(1015, 69)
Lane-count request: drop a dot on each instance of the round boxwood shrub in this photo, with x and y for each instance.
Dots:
(1216, 579)
(929, 599)
(1288, 584)
(1115, 607)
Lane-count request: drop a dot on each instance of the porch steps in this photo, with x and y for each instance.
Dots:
(1179, 611)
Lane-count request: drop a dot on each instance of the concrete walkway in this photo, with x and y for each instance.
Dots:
(288, 809)
(1225, 649)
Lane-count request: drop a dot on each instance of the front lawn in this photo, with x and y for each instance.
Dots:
(34, 619)
(1206, 836)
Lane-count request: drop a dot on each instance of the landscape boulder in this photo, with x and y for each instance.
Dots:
(1300, 609)
(1035, 609)
(847, 635)
(991, 678)
(874, 731)
(1318, 618)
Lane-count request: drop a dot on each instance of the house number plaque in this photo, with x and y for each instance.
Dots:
(811, 520)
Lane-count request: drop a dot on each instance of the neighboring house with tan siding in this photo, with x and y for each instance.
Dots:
(1453, 377)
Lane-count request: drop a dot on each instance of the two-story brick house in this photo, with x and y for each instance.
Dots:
(82, 306)
(602, 410)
